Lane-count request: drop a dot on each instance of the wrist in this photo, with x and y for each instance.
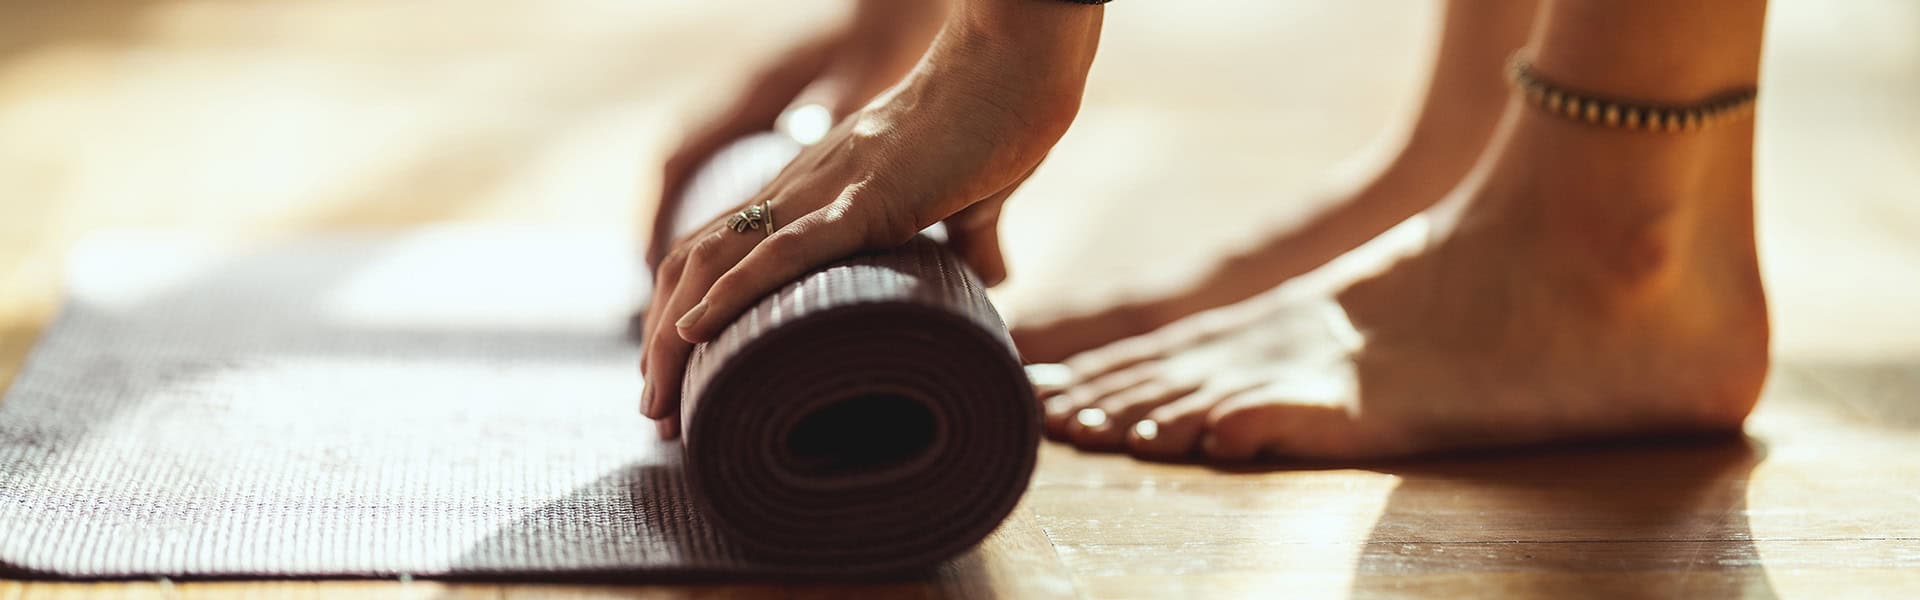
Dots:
(1065, 31)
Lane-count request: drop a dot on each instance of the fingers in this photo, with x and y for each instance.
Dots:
(678, 170)
(663, 289)
(810, 241)
(668, 427)
(754, 108)
(663, 284)
(674, 175)
(665, 355)
(720, 274)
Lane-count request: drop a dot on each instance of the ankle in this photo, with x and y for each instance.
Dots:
(1632, 205)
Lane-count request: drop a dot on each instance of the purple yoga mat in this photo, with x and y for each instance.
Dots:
(462, 403)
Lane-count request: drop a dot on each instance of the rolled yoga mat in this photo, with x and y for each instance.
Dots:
(872, 413)
(462, 403)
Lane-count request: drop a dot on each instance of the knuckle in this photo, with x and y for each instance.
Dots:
(876, 224)
(782, 243)
(707, 250)
(661, 356)
(654, 360)
(676, 258)
(837, 211)
(665, 278)
(655, 345)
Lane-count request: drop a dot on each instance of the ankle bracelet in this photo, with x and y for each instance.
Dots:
(1639, 116)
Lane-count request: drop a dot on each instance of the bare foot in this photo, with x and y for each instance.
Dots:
(1584, 283)
(1456, 120)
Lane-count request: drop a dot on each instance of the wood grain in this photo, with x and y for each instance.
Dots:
(268, 119)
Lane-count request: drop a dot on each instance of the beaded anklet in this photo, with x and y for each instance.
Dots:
(1636, 116)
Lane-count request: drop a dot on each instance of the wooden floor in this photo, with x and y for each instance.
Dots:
(267, 119)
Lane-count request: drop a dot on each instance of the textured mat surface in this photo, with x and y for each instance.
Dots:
(460, 403)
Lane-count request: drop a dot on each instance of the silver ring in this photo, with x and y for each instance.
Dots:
(757, 216)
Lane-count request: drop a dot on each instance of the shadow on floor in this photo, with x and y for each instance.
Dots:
(645, 534)
(1566, 522)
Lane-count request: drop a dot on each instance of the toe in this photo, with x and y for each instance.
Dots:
(1246, 428)
(1310, 416)
(1117, 413)
(1063, 410)
(1171, 431)
(1049, 379)
(1053, 380)
(1112, 358)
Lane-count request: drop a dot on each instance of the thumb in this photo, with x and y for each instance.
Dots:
(975, 234)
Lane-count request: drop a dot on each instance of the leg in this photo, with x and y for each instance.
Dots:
(1457, 117)
(1583, 282)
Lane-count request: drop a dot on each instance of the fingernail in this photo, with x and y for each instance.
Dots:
(693, 316)
(647, 400)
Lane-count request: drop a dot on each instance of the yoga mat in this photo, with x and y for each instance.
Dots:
(462, 403)
(874, 413)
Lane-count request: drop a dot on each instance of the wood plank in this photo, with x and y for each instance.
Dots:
(1017, 561)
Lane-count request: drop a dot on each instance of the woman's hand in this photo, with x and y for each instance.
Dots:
(839, 69)
(949, 143)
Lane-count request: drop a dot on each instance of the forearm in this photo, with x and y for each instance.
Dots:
(1065, 30)
(894, 12)
(902, 23)
(1035, 52)
(999, 87)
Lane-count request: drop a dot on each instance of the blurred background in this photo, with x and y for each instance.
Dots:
(267, 119)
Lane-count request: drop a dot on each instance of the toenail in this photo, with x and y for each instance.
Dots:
(1091, 418)
(1146, 429)
(1049, 374)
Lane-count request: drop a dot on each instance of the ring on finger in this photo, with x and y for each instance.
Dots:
(755, 216)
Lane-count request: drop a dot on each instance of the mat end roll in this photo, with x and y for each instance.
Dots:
(871, 416)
